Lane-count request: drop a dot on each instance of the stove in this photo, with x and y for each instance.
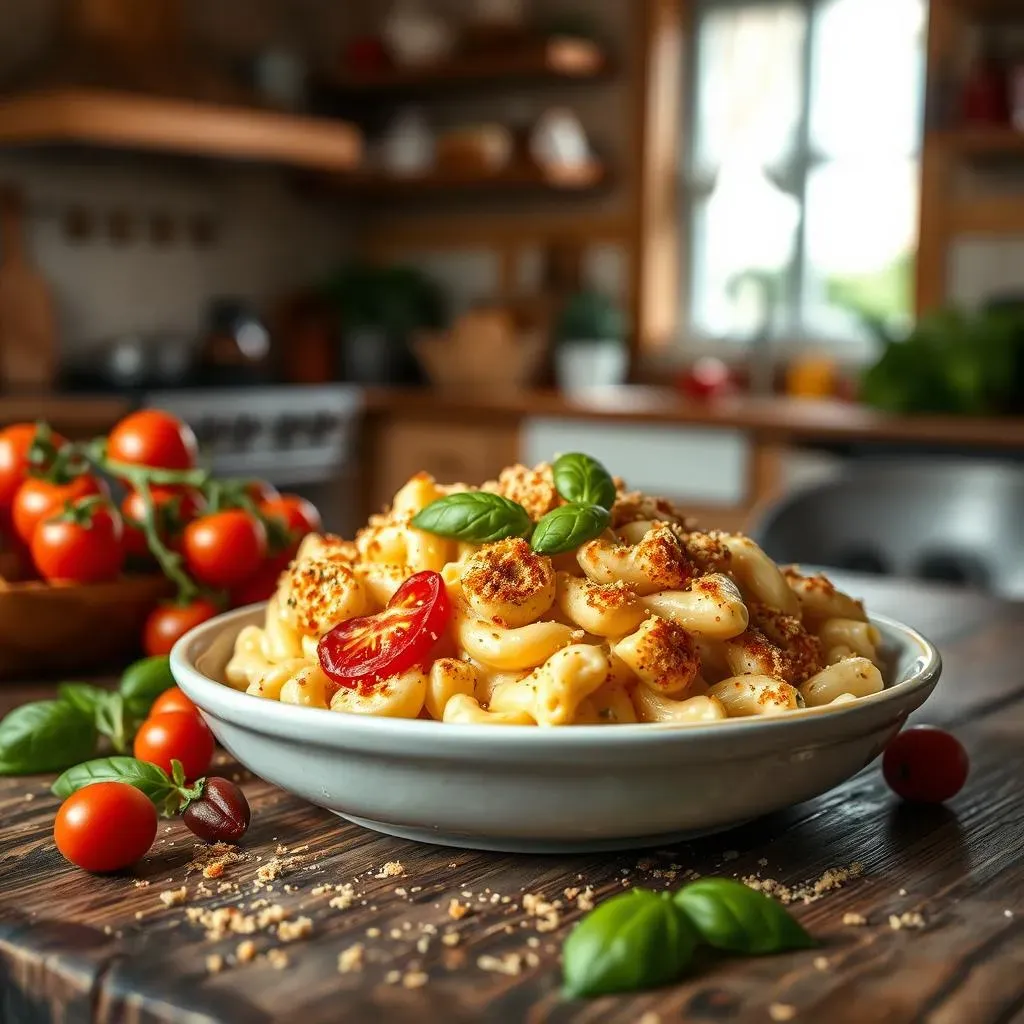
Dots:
(300, 439)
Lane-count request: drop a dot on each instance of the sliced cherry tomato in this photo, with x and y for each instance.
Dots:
(176, 736)
(15, 442)
(175, 508)
(260, 491)
(106, 826)
(298, 515)
(224, 549)
(173, 699)
(372, 647)
(79, 546)
(153, 438)
(167, 623)
(38, 499)
(925, 764)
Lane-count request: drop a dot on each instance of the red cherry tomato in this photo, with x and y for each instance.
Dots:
(179, 736)
(356, 652)
(707, 378)
(172, 700)
(167, 623)
(175, 507)
(68, 551)
(224, 549)
(15, 442)
(925, 764)
(105, 827)
(37, 500)
(298, 515)
(260, 491)
(153, 438)
(260, 586)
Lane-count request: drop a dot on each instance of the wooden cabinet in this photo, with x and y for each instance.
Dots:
(451, 451)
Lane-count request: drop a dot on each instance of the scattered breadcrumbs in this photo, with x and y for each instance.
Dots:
(821, 963)
(139, 915)
(650, 1017)
(457, 910)
(781, 1011)
(585, 900)
(399, 891)
(805, 892)
(174, 897)
(450, 939)
(272, 870)
(423, 944)
(546, 913)
(395, 933)
(351, 959)
(221, 922)
(29, 797)
(509, 963)
(571, 892)
(214, 870)
(214, 963)
(1007, 913)
(277, 958)
(272, 914)
(901, 892)
(392, 977)
(291, 931)
(344, 899)
(141, 883)
(246, 951)
(205, 857)
(392, 869)
(909, 919)
(855, 920)
(533, 942)
(414, 979)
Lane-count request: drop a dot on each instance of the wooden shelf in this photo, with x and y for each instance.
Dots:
(516, 179)
(987, 215)
(981, 141)
(93, 117)
(553, 60)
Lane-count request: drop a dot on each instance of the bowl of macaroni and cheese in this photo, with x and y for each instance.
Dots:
(551, 662)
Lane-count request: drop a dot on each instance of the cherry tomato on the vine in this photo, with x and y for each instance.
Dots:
(168, 622)
(224, 549)
(15, 442)
(260, 491)
(298, 515)
(153, 438)
(38, 499)
(176, 736)
(261, 585)
(925, 765)
(79, 548)
(172, 700)
(174, 508)
(106, 826)
(363, 649)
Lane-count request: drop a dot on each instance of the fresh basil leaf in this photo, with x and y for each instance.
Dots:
(477, 516)
(637, 940)
(144, 681)
(45, 736)
(83, 696)
(149, 778)
(569, 526)
(581, 479)
(731, 916)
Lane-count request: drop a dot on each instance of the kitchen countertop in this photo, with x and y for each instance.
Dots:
(773, 418)
(106, 949)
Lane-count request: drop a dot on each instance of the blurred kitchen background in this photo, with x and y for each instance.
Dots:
(763, 256)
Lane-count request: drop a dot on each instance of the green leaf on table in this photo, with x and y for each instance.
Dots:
(731, 916)
(144, 681)
(85, 697)
(150, 779)
(45, 736)
(581, 479)
(568, 526)
(633, 941)
(477, 516)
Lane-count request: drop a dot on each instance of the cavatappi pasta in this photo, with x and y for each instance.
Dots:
(652, 621)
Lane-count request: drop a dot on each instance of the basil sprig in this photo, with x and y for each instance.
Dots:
(144, 681)
(583, 480)
(44, 736)
(636, 940)
(643, 939)
(568, 526)
(477, 516)
(733, 917)
(168, 792)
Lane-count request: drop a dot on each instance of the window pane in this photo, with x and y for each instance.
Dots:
(867, 74)
(749, 84)
(861, 235)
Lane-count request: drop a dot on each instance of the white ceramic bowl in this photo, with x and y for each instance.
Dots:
(549, 790)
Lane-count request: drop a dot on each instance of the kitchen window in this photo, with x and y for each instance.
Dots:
(801, 182)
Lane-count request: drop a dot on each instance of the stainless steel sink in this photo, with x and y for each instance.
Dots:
(953, 520)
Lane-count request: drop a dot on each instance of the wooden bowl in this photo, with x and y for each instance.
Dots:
(47, 629)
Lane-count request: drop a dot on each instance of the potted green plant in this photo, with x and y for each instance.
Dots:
(380, 309)
(590, 343)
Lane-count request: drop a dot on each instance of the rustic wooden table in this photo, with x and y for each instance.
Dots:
(79, 948)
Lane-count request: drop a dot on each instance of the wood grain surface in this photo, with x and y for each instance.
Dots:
(76, 948)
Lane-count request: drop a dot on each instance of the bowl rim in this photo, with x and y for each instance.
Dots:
(317, 724)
